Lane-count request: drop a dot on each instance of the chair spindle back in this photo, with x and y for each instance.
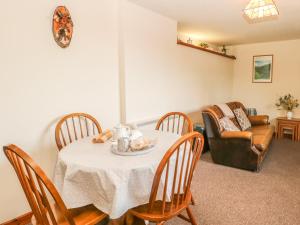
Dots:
(39, 190)
(75, 126)
(175, 122)
(173, 177)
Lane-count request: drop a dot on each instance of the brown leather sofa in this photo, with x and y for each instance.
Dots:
(239, 149)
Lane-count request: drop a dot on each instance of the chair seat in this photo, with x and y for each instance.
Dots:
(156, 214)
(86, 215)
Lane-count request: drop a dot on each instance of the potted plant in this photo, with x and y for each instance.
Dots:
(203, 45)
(287, 102)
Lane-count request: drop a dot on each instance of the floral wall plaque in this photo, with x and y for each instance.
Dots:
(62, 26)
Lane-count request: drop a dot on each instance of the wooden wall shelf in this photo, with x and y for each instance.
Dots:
(205, 49)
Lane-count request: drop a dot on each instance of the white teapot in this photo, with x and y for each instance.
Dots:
(121, 131)
(136, 134)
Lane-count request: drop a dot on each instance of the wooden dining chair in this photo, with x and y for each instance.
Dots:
(175, 122)
(163, 204)
(75, 126)
(46, 204)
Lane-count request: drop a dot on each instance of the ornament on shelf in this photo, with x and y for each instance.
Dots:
(224, 50)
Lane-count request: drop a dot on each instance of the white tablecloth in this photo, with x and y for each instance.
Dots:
(88, 173)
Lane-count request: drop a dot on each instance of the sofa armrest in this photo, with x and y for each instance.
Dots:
(259, 120)
(237, 135)
(235, 148)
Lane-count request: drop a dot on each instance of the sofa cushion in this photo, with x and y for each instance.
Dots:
(218, 112)
(236, 105)
(220, 115)
(262, 136)
(261, 129)
(226, 110)
(233, 106)
(227, 124)
(242, 118)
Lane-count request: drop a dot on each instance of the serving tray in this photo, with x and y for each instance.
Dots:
(130, 152)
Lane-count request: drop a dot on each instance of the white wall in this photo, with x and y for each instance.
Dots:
(162, 76)
(134, 52)
(39, 81)
(286, 75)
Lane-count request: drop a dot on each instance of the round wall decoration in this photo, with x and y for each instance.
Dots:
(62, 26)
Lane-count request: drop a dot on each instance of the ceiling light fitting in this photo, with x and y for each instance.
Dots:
(260, 10)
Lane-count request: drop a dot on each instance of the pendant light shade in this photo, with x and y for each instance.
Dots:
(260, 10)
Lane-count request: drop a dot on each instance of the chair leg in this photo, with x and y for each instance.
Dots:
(192, 218)
(130, 220)
(193, 201)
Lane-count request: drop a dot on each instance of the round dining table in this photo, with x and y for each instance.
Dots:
(88, 173)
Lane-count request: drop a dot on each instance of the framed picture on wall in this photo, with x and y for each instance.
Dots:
(262, 69)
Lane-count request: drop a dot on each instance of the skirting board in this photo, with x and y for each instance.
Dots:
(20, 220)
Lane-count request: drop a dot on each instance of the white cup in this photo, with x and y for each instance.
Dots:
(123, 144)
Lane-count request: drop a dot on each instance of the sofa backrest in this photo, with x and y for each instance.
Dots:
(235, 105)
(213, 114)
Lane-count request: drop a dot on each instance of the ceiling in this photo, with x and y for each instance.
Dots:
(222, 22)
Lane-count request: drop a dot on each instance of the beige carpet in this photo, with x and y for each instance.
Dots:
(228, 196)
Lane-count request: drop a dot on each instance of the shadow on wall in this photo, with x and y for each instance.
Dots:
(196, 116)
(46, 150)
